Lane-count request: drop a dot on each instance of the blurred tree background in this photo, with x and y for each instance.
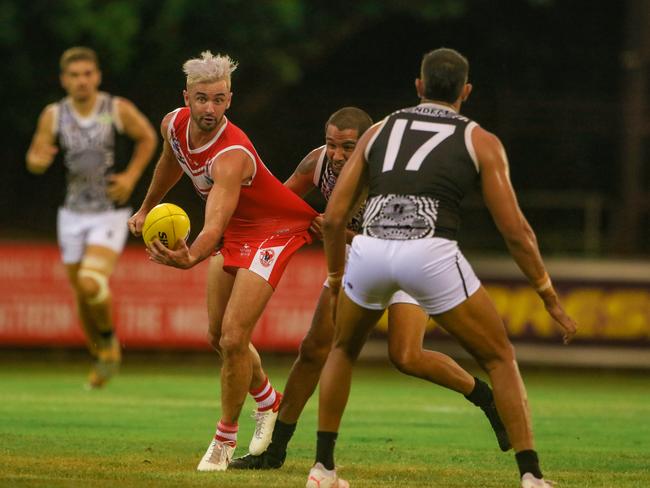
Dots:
(547, 79)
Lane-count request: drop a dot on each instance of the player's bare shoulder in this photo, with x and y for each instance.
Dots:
(48, 115)
(50, 108)
(131, 120)
(368, 138)
(126, 109)
(489, 149)
(123, 103)
(308, 164)
(164, 124)
(46, 126)
(482, 136)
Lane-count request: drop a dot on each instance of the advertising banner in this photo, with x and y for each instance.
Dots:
(164, 308)
(154, 306)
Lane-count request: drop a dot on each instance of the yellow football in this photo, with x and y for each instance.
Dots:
(168, 223)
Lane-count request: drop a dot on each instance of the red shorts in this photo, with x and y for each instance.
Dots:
(267, 257)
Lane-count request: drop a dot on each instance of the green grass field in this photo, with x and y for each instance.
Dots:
(151, 425)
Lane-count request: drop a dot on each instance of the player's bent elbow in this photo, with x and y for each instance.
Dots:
(35, 169)
(152, 137)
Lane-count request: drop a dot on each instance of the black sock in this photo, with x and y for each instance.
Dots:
(282, 434)
(325, 448)
(107, 335)
(481, 395)
(528, 463)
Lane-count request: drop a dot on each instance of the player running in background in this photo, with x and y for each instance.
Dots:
(406, 319)
(261, 222)
(417, 165)
(91, 223)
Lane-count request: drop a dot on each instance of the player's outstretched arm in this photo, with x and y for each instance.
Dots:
(519, 236)
(165, 176)
(229, 171)
(301, 182)
(42, 149)
(137, 128)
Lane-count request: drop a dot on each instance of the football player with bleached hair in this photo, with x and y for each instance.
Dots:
(209, 68)
(259, 222)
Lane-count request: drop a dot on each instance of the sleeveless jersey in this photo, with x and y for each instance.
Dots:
(421, 164)
(325, 179)
(266, 207)
(88, 145)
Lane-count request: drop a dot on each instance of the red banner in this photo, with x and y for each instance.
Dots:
(154, 306)
(161, 307)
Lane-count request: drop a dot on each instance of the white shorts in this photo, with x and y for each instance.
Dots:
(76, 230)
(433, 271)
(398, 296)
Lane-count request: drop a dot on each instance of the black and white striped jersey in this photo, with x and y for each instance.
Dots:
(88, 145)
(421, 164)
(325, 179)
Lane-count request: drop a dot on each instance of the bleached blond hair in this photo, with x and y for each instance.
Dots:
(209, 68)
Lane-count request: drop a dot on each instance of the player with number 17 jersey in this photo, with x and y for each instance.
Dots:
(270, 222)
(421, 163)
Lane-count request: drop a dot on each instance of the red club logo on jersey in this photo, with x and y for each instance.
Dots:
(266, 256)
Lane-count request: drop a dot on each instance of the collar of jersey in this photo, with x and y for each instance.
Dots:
(207, 144)
(437, 105)
(85, 119)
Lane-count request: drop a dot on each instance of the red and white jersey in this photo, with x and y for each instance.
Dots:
(266, 207)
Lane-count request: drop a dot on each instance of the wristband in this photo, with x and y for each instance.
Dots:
(334, 278)
(544, 285)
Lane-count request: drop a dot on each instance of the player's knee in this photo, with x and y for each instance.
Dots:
(93, 286)
(403, 359)
(503, 355)
(232, 344)
(313, 352)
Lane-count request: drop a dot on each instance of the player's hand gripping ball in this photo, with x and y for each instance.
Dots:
(168, 223)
